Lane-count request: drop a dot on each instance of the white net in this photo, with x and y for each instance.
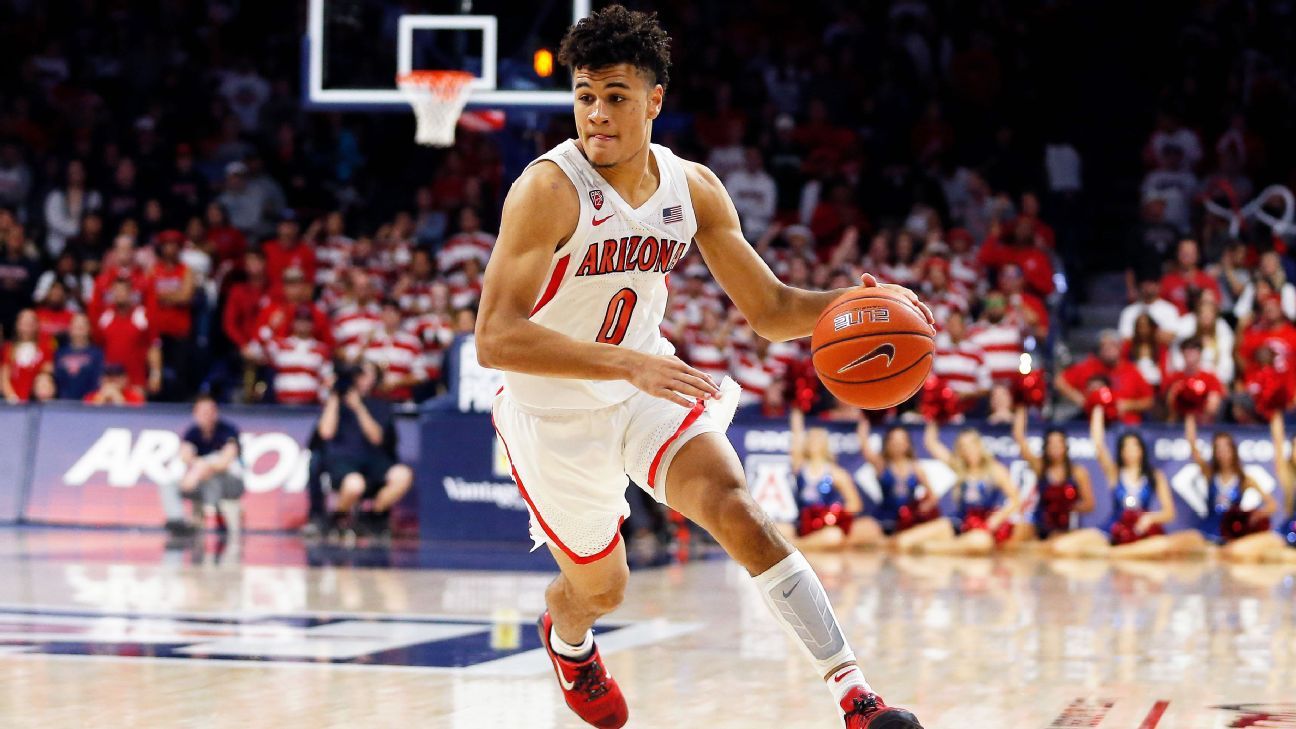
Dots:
(438, 98)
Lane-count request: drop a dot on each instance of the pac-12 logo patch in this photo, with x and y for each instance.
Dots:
(596, 197)
(873, 314)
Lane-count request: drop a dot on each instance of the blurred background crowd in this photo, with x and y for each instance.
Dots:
(173, 221)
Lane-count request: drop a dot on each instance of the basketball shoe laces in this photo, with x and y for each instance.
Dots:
(591, 680)
(865, 706)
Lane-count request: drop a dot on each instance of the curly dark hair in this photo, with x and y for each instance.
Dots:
(616, 35)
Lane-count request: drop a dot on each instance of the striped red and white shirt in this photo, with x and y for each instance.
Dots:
(435, 333)
(301, 367)
(756, 375)
(942, 303)
(463, 246)
(400, 354)
(353, 325)
(1002, 344)
(965, 272)
(708, 354)
(962, 365)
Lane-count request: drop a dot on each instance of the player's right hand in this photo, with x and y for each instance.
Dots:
(669, 378)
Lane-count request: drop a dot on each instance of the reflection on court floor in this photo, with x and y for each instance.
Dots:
(115, 625)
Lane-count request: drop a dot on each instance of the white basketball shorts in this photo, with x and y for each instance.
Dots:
(571, 466)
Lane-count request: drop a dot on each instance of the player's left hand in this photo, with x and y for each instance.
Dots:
(868, 281)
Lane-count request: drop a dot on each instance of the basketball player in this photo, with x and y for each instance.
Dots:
(571, 309)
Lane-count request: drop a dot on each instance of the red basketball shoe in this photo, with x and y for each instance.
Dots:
(868, 711)
(590, 690)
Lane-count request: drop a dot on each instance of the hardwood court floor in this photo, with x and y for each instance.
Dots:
(106, 629)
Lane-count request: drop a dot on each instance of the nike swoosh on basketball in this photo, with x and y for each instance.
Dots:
(600, 221)
(791, 590)
(882, 350)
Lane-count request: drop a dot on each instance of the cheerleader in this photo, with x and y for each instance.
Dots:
(907, 498)
(1062, 488)
(828, 503)
(1226, 484)
(1266, 545)
(1137, 485)
(984, 501)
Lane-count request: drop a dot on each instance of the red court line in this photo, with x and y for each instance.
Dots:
(1154, 716)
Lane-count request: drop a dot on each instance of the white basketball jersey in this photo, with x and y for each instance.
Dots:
(608, 282)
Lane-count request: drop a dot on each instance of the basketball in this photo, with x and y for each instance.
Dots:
(872, 348)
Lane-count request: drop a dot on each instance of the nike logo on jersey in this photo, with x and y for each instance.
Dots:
(882, 350)
(600, 221)
(791, 589)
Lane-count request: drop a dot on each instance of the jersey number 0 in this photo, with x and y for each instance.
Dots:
(617, 319)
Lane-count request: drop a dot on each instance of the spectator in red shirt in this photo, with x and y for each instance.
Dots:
(170, 297)
(1174, 382)
(1133, 394)
(54, 314)
(1273, 332)
(1025, 308)
(225, 242)
(276, 320)
(1178, 285)
(116, 389)
(128, 339)
(1018, 246)
(121, 262)
(288, 250)
(25, 357)
(245, 302)
(938, 292)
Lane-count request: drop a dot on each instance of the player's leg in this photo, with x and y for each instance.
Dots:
(582, 594)
(705, 483)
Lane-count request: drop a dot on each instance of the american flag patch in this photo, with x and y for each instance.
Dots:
(673, 214)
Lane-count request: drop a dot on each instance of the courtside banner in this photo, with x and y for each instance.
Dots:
(466, 490)
(101, 467)
(15, 444)
(97, 466)
(464, 482)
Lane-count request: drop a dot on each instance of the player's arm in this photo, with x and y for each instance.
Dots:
(776, 311)
(540, 214)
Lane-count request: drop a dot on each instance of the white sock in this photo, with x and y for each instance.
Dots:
(794, 594)
(567, 650)
(841, 682)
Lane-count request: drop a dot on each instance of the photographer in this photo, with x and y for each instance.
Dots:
(360, 445)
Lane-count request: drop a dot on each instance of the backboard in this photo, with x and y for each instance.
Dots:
(353, 49)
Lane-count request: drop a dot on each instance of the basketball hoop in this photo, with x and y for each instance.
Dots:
(438, 97)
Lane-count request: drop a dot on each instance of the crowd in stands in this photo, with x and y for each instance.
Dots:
(176, 222)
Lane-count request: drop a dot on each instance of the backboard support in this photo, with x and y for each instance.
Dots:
(471, 39)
